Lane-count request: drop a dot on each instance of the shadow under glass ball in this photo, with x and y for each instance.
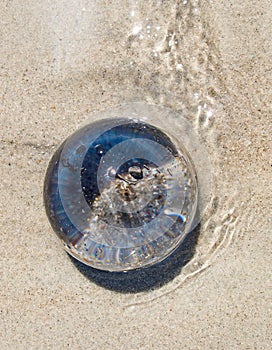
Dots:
(121, 194)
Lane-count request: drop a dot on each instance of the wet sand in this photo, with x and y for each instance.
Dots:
(212, 62)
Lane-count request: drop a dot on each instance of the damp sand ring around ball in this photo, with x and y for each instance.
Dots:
(122, 193)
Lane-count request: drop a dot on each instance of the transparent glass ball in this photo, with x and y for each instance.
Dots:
(121, 193)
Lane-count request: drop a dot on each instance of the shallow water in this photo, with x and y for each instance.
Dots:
(162, 53)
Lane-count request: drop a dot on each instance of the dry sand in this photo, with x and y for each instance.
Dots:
(61, 60)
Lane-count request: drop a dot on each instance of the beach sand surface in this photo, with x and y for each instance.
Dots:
(210, 60)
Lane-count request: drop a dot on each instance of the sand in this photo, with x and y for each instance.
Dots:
(211, 61)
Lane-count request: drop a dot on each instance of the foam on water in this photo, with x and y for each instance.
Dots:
(183, 67)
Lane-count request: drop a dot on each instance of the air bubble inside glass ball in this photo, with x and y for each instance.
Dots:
(121, 194)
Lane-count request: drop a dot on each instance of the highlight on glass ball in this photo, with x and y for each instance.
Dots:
(122, 192)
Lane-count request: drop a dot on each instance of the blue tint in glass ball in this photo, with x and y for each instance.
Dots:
(121, 194)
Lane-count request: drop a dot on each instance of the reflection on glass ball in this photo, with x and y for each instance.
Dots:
(121, 194)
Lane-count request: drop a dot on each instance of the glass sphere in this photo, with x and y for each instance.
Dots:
(121, 194)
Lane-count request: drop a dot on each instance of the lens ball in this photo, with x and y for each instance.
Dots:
(121, 194)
